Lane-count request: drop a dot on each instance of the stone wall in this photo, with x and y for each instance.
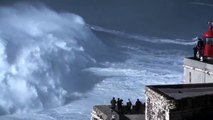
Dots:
(157, 106)
(161, 107)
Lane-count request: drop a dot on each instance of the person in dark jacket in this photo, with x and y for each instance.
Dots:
(113, 103)
(198, 49)
(119, 104)
(138, 105)
(200, 45)
(129, 105)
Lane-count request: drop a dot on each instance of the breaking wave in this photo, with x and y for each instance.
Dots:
(42, 53)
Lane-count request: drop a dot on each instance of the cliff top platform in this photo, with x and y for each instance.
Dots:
(105, 112)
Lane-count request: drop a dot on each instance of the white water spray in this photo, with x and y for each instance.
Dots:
(41, 51)
(140, 37)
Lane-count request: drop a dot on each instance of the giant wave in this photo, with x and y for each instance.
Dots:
(42, 53)
(48, 57)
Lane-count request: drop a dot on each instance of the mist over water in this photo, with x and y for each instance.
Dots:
(41, 54)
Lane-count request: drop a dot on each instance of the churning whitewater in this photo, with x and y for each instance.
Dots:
(53, 67)
(41, 53)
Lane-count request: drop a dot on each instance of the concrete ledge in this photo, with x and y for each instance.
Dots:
(189, 61)
(104, 112)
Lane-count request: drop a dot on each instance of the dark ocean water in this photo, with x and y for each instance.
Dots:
(59, 58)
(161, 18)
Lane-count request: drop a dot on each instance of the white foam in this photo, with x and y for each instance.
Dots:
(40, 51)
(39, 62)
(109, 72)
(140, 37)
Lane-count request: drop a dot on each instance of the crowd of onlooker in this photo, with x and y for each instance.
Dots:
(117, 105)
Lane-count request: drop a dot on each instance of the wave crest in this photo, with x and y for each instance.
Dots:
(41, 53)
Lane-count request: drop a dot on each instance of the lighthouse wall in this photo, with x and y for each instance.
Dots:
(197, 72)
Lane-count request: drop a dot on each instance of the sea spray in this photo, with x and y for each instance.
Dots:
(41, 53)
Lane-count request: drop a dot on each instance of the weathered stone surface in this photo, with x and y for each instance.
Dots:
(105, 112)
(194, 103)
(157, 106)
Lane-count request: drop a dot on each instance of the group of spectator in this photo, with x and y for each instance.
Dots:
(117, 105)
